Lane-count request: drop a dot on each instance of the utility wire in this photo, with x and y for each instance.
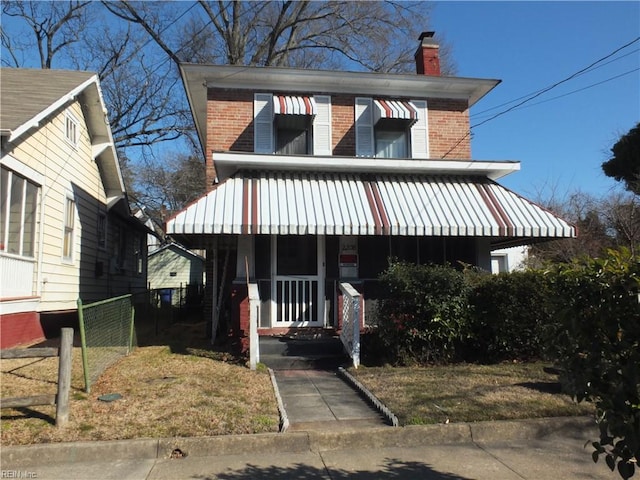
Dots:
(540, 92)
(579, 89)
(533, 93)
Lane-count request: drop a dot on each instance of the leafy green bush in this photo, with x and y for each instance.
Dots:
(597, 343)
(423, 313)
(510, 313)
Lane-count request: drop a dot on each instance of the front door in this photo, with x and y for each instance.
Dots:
(297, 287)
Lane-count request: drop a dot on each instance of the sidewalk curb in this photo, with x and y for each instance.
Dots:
(295, 442)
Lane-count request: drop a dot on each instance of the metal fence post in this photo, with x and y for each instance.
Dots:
(83, 341)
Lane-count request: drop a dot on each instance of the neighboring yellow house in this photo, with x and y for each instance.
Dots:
(173, 266)
(66, 231)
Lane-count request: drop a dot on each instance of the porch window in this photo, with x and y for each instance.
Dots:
(292, 125)
(391, 128)
(17, 214)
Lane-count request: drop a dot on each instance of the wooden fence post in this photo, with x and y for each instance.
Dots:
(64, 377)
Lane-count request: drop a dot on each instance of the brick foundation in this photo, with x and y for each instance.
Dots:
(18, 329)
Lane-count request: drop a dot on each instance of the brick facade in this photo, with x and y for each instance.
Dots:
(230, 126)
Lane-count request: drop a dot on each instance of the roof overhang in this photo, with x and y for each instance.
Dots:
(227, 163)
(197, 78)
(297, 203)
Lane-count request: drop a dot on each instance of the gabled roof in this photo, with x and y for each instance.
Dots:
(179, 249)
(30, 96)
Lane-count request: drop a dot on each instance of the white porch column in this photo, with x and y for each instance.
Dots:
(245, 257)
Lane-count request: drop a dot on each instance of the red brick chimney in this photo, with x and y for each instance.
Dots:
(427, 57)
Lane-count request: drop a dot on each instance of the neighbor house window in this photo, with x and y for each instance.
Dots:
(69, 227)
(71, 130)
(102, 231)
(391, 128)
(18, 207)
(292, 124)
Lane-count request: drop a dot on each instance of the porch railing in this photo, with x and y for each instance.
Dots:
(296, 299)
(254, 317)
(350, 333)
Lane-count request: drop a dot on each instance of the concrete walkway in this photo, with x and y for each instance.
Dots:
(532, 449)
(321, 400)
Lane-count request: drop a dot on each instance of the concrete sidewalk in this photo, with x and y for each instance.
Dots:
(530, 449)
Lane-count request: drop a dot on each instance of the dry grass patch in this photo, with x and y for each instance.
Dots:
(469, 393)
(164, 394)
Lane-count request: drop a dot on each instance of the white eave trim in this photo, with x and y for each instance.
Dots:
(330, 81)
(228, 163)
(98, 148)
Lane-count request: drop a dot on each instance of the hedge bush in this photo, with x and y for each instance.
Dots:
(510, 317)
(423, 314)
(597, 343)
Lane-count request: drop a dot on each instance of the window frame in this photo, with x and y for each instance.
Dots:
(71, 130)
(416, 134)
(318, 127)
(101, 231)
(68, 228)
(28, 196)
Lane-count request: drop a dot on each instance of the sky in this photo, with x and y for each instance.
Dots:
(529, 46)
(560, 142)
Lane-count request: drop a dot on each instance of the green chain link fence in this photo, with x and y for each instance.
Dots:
(107, 333)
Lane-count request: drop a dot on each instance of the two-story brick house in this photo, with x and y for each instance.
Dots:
(317, 177)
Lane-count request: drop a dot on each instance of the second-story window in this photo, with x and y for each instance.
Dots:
(293, 134)
(391, 128)
(71, 130)
(292, 124)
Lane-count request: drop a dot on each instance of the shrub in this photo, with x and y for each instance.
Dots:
(597, 342)
(423, 313)
(510, 313)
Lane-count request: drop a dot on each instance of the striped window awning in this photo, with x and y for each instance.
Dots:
(293, 105)
(398, 109)
(294, 203)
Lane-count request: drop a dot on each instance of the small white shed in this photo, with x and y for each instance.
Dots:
(173, 266)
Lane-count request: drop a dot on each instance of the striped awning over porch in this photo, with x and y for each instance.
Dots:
(294, 203)
(398, 109)
(293, 105)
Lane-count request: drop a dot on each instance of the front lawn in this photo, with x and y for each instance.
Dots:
(469, 393)
(166, 392)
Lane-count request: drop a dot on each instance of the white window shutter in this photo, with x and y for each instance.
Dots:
(263, 123)
(322, 125)
(365, 145)
(420, 131)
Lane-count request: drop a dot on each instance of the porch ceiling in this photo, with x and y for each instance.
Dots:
(297, 203)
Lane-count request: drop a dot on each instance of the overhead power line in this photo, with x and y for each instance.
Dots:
(480, 113)
(579, 89)
(540, 92)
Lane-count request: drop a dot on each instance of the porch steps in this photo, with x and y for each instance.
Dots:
(293, 353)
